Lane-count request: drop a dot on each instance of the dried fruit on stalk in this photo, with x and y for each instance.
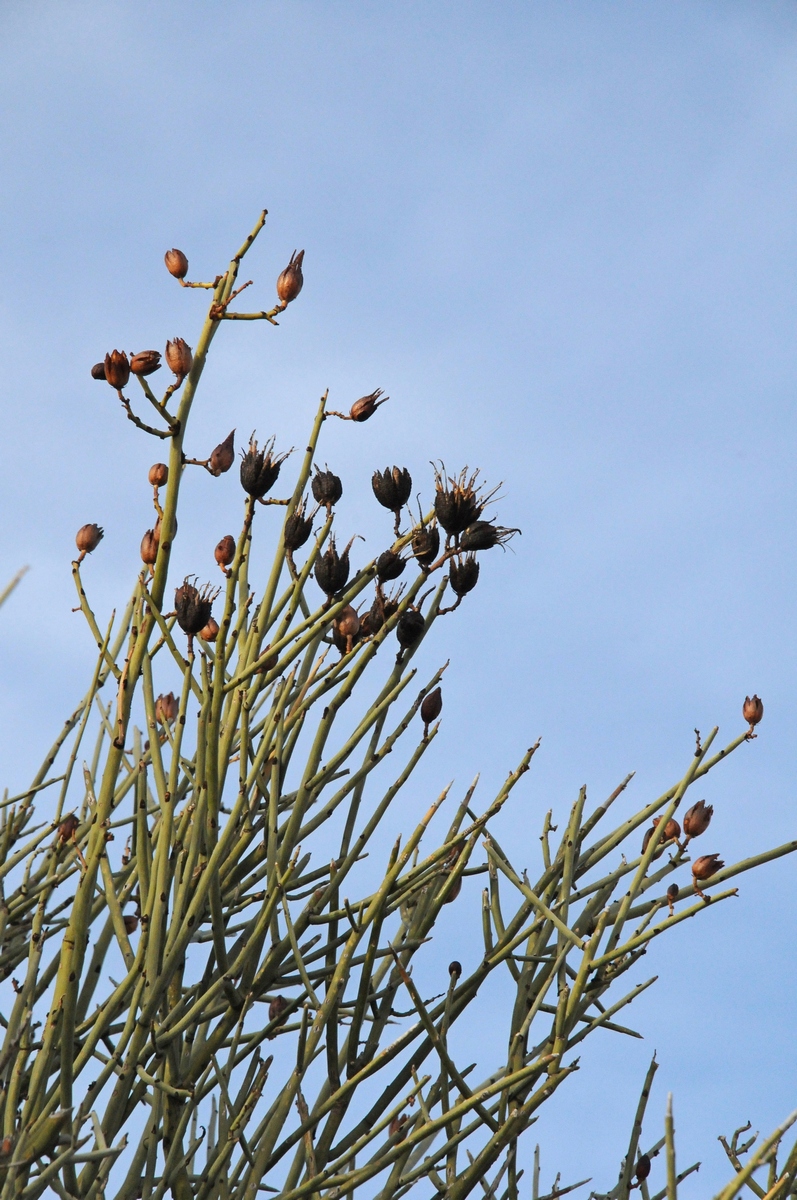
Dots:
(431, 708)
(297, 529)
(193, 607)
(704, 868)
(117, 369)
(210, 631)
(158, 474)
(346, 629)
(327, 487)
(642, 1167)
(389, 566)
(673, 891)
(88, 538)
(131, 923)
(290, 281)
(223, 456)
(176, 263)
(149, 546)
(698, 819)
(426, 544)
(166, 708)
(463, 574)
(67, 828)
(392, 487)
(260, 468)
(752, 710)
(277, 1007)
(179, 357)
(455, 969)
(409, 628)
(332, 569)
(225, 550)
(483, 535)
(98, 371)
(457, 504)
(146, 362)
(366, 406)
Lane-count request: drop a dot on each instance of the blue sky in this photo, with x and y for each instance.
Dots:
(562, 237)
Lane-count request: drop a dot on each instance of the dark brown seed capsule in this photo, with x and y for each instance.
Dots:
(67, 828)
(146, 362)
(176, 263)
(752, 710)
(117, 369)
(297, 529)
(426, 544)
(223, 456)
(392, 487)
(456, 503)
(179, 357)
(698, 819)
(225, 550)
(389, 566)
(210, 632)
(192, 607)
(131, 923)
(432, 706)
(483, 535)
(455, 968)
(149, 546)
(277, 1007)
(346, 629)
(374, 619)
(704, 868)
(409, 628)
(289, 282)
(642, 1167)
(98, 371)
(463, 574)
(88, 538)
(673, 892)
(366, 406)
(260, 468)
(327, 487)
(158, 474)
(166, 708)
(332, 569)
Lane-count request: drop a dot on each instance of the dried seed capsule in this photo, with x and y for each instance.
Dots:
(463, 574)
(397, 1127)
(752, 710)
(149, 546)
(210, 632)
(673, 891)
(277, 1007)
(332, 569)
(260, 468)
(88, 538)
(158, 474)
(392, 487)
(455, 968)
(98, 371)
(698, 819)
(483, 535)
(67, 828)
(166, 708)
(131, 923)
(179, 357)
(642, 1167)
(289, 281)
(409, 628)
(457, 506)
(117, 369)
(192, 607)
(432, 706)
(374, 619)
(704, 868)
(366, 406)
(327, 487)
(176, 263)
(389, 566)
(297, 528)
(225, 550)
(223, 456)
(146, 362)
(426, 544)
(346, 629)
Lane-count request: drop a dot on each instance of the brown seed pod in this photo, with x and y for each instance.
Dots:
(483, 535)
(389, 566)
(397, 1127)
(222, 458)
(463, 574)
(297, 528)
(67, 828)
(210, 632)
(455, 968)
(131, 923)
(752, 710)
(98, 371)
(260, 468)
(704, 868)
(166, 708)
(117, 369)
(431, 708)
(290, 281)
(698, 819)
(332, 569)
(642, 1167)
(409, 629)
(277, 1007)
(179, 357)
(392, 487)
(457, 503)
(225, 551)
(146, 362)
(88, 538)
(346, 629)
(158, 474)
(327, 487)
(149, 546)
(176, 263)
(366, 406)
(426, 545)
(673, 891)
(192, 607)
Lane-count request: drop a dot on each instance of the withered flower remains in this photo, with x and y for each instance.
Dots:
(389, 566)
(426, 544)
(179, 357)
(463, 574)
(289, 282)
(698, 819)
(332, 569)
(483, 535)
(223, 456)
(117, 369)
(457, 503)
(327, 487)
(366, 406)
(392, 487)
(260, 468)
(192, 607)
(409, 628)
(146, 362)
(297, 529)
